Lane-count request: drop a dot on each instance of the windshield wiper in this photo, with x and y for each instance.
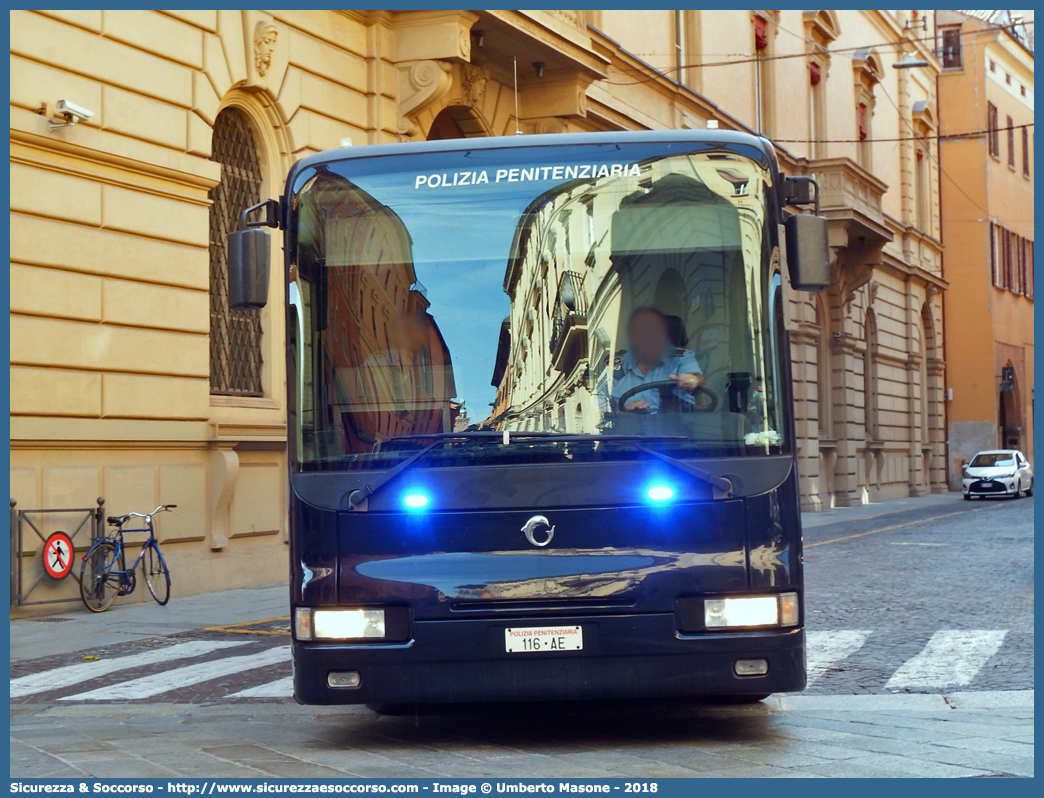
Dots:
(357, 499)
(509, 435)
(721, 487)
(601, 437)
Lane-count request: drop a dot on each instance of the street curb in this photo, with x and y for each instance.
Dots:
(918, 702)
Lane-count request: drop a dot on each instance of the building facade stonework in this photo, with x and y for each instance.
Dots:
(131, 380)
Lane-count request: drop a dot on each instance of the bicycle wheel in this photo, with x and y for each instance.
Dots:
(157, 577)
(98, 585)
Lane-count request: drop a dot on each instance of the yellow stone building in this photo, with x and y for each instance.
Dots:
(987, 85)
(131, 380)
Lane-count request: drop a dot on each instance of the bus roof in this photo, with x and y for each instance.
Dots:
(723, 137)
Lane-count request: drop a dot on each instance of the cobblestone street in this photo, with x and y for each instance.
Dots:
(920, 644)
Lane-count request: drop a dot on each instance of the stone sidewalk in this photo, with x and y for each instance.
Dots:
(862, 512)
(77, 629)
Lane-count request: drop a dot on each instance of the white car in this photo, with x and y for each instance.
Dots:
(998, 472)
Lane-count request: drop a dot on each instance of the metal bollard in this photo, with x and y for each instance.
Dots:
(99, 520)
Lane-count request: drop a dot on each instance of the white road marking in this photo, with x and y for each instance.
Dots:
(951, 658)
(69, 675)
(148, 686)
(825, 649)
(280, 688)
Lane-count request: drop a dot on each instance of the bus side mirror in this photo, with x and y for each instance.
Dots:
(808, 255)
(249, 259)
(248, 266)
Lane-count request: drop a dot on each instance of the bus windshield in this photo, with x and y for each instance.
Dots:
(570, 295)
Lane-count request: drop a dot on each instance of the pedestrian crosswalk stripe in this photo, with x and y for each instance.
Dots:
(148, 686)
(952, 658)
(280, 688)
(826, 649)
(69, 675)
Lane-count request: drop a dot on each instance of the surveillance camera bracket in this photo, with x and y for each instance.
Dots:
(69, 122)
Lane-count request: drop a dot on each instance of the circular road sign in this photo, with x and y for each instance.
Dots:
(58, 555)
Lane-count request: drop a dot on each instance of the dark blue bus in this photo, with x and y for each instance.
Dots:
(541, 435)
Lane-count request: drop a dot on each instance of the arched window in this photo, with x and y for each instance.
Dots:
(870, 376)
(932, 386)
(455, 122)
(922, 379)
(823, 371)
(235, 335)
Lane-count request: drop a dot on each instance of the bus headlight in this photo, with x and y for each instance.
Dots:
(780, 610)
(746, 611)
(355, 624)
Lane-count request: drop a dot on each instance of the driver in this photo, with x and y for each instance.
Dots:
(652, 358)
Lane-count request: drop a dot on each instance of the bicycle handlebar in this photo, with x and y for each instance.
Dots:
(160, 509)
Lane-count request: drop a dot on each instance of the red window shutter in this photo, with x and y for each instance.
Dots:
(994, 255)
(813, 73)
(1029, 269)
(1013, 264)
(760, 33)
(862, 121)
(1008, 253)
(1022, 265)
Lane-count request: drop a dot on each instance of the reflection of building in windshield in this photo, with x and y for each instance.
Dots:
(684, 237)
(376, 364)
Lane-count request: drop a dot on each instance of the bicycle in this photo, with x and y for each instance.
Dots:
(101, 581)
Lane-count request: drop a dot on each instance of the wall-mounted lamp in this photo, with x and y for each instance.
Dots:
(539, 67)
(63, 109)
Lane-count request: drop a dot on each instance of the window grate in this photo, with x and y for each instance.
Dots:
(235, 335)
(992, 132)
(1011, 142)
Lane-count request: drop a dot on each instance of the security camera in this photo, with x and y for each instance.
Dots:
(70, 112)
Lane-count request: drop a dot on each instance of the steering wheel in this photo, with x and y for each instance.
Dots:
(650, 386)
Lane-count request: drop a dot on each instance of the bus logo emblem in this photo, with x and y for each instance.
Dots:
(534, 524)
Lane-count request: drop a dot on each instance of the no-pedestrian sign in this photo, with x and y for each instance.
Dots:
(58, 555)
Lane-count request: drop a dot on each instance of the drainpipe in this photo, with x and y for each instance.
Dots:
(942, 267)
(679, 45)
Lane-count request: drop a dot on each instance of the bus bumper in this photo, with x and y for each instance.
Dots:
(623, 657)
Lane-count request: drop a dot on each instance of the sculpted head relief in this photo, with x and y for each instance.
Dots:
(265, 35)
